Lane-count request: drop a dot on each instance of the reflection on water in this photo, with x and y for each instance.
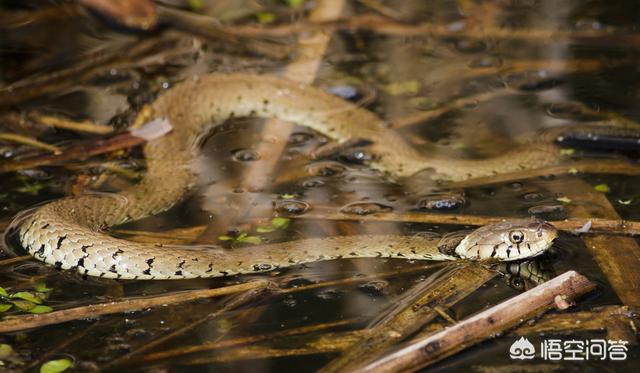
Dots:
(493, 76)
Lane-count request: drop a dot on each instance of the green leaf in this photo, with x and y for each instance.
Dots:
(604, 188)
(5, 351)
(56, 366)
(4, 307)
(3, 292)
(288, 196)
(41, 287)
(225, 238)
(23, 305)
(29, 297)
(280, 223)
(196, 4)
(568, 151)
(408, 87)
(32, 189)
(265, 229)
(241, 236)
(41, 309)
(295, 3)
(253, 240)
(265, 17)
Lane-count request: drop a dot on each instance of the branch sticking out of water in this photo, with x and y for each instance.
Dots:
(427, 350)
(125, 305)
(152, 130)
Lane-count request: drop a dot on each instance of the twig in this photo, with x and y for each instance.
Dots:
(574, 225)
(125, 305)
(17, 259)
(591, 166)
(386, 26)
(87, 149)
(83, 126)
(13, 137)
(425, 351)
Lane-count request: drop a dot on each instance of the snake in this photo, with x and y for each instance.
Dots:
(71, 233)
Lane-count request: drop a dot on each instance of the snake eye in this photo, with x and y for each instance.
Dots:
(516, 237)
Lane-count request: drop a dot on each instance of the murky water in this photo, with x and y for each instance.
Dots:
(498, 91)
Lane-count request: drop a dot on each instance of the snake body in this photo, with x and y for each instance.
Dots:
(69, 233)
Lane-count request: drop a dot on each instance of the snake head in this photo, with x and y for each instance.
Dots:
(512, 240)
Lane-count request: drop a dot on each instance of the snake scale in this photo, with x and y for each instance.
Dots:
(70, 233)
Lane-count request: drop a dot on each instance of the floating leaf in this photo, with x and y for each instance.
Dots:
(604, 188)
(4, 307)
(568, 151)
(32, 189)
(5, 351)
(29, 297)
(225, 238)
(56, 366)
(624, 201)
(410, 87)
(23, 304)
(3, 292)
(265, 229)
(564, 199)
(196, 4)
(41, 287)
(253, 240)
(288, 196)
(265, 17)
(280, 223)
(41, 309)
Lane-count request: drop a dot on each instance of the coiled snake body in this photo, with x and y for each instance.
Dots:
(68, 233)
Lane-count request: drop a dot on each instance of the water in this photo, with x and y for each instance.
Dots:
(498, 91)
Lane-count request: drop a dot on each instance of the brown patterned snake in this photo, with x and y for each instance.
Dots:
(68, 233)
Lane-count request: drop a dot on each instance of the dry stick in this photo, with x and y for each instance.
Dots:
(594, 166)
(426, 351)
(83, 150)
(24, 322)
(13, 137)
(574, 225)
(40, 85)
(383, 25)
(82, 126)
(617, 257)
(17, 259)
(248, 294)
(411, 314)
